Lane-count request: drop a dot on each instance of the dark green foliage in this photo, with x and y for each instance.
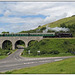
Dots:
(5, 32)
(62, 25)
(39, 26)
(71, 27)
(43, 28)
(71, 49)
(43, 52)
(54, 52)
(31, 43)
(4, 52)
(7, 45)
(52, 46)
(66, 42)
(49, 31)
(43, 43)
(20, 42)
(8, 72)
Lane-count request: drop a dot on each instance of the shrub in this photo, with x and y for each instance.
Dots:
(43, 43)
(54, 52)
(43, 52)
(43, 28)
(66, 42)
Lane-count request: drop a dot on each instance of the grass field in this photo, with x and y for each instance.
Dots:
(66, 66)
(2, 57)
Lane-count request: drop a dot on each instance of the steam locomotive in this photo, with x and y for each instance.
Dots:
(64, 35)
(59, 35)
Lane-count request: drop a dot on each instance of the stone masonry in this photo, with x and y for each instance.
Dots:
(14, 39)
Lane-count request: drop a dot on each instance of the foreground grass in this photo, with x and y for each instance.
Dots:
(5, 54)
(2, 57)
(66, 66)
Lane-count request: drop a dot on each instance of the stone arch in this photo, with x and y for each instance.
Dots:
(6, 43)
(31, 41)
(18, 43)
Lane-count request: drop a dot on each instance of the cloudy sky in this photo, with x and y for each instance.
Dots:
(19, 16)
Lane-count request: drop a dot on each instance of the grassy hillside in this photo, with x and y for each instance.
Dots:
(60, 67)
(50, 47)
(68, 22)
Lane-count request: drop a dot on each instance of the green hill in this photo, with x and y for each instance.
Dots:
(68, 22)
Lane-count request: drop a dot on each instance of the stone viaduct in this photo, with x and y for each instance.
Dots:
(14, 39)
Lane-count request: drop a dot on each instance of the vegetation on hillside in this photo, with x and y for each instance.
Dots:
(60, 67)
(68, 22)
(5, 52)
(50, 47)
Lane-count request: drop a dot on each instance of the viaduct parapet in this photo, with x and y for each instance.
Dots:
(14, 39)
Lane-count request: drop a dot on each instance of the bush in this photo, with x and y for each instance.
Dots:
(71, 50)
(43, 28)
(43, 43)
(43, 52)
(66, 42)
(54, 52)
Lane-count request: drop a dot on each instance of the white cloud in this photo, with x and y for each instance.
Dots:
(52, 10)
(2, 29)
(7, 12)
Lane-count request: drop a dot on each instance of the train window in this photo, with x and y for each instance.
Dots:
(21, 34)
(18, 34)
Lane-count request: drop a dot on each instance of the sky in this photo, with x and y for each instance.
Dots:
(23, 16)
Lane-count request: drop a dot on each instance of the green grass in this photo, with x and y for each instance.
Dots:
(66, 66)
(4, 53)
(2, 57)
(47, 46)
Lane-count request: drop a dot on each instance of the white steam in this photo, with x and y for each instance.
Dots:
(56, 29)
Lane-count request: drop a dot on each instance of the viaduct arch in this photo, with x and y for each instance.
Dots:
(18, 42)
(13, 40)
(6, 43)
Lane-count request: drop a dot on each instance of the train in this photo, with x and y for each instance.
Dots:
(45, 35)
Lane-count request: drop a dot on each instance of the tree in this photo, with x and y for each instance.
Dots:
(5, 32)
(39, 26)
(62, 25)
